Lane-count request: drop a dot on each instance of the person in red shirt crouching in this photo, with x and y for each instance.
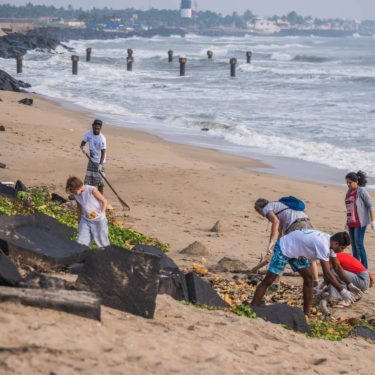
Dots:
(354, 271)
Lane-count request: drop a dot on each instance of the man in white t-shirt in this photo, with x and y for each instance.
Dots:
(98, 146)
(297, 249)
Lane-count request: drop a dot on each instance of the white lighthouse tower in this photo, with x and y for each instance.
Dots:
(185, 9)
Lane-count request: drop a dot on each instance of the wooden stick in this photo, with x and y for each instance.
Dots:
(123, 203)
(71, 301)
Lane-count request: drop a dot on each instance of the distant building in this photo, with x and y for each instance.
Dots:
(185, 9)
(264, 26)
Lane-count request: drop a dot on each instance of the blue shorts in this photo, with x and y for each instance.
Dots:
(279, 261)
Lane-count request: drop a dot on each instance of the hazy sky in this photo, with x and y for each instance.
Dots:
(361, 9)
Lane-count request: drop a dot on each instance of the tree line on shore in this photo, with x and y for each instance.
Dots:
(158, 17)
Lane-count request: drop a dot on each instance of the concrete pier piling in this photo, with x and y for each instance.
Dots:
(75, 60)
(170, 56)
(88, 54)
(210, 54)
(233, 63)
(249, 54)
(183, 61)
(19, 61)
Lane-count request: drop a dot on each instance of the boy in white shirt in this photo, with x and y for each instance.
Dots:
(91, 206)
(297, 249)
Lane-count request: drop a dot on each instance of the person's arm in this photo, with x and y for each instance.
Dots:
(275, 229)
(339, 270)
(365, 196)
(100, 197)
(331, 278)
(346, 294)
(82, 147)
(102, 156)
(79, 211)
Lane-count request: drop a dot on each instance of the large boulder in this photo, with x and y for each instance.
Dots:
(123, 279)
(291, 317)
(202, 293)
(40, 242)
(8, 83)
(172, 280)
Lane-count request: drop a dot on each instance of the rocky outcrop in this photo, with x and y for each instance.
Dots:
(8, 83)
(47, 39)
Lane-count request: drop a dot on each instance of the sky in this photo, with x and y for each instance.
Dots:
(355, 9)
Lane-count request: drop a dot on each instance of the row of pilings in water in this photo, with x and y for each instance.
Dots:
(130, 60)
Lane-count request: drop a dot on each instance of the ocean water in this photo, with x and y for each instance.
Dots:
(306, 98)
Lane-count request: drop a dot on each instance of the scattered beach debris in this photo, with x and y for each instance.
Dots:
(58, 198)
(124, 280)
(196, 249)
(220, 227)
(172, 280)
(40, 241)
(71, 301)
(2, 165)
(26, 101)
(2, 128)
(202, 293)
(227, 264)
(9, 275)
(291, 317)
(44, 281)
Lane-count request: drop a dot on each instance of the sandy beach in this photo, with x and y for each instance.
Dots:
(176, 193)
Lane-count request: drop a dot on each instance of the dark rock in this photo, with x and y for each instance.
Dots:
(40, 241)
(20, 186)
(2, 128)
(58, 198)
(172, 280)
(2, 165)
(47, 39)
(291, 317)
(124, 280)
(9, 275)
(26, 101)
(364, 332)
(7, 191)
(8, 83)
(202, 293)
(41, 280)
(205, 129)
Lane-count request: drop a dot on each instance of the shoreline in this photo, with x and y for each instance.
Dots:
(268, 163)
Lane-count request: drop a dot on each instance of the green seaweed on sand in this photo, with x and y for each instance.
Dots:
(39, 200)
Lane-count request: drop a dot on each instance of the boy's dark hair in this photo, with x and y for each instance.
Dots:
(359, 177)
(73, 184)
(260, 203)
(342, 238)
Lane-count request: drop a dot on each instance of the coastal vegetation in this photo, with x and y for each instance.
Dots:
(39, 200)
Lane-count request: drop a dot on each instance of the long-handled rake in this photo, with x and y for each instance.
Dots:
(124, 205)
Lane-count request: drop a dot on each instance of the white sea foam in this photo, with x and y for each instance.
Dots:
(299, 98)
